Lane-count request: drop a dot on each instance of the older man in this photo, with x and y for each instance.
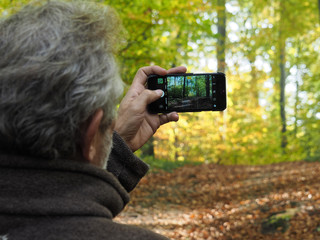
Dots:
(59, 86)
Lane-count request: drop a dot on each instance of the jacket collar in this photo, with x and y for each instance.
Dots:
(39, 187)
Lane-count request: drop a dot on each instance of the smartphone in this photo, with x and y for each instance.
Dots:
(189, 92)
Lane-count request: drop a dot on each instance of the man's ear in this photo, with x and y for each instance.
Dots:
(90, 137)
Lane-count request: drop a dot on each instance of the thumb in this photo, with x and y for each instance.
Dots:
(149, 96)
(169, 117)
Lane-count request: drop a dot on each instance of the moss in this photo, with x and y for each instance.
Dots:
(278, 222)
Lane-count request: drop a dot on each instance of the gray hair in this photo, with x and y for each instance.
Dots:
(57, 67)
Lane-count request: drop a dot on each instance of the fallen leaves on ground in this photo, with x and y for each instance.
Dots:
(212, 201)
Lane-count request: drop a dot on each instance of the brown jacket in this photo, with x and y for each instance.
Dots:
(64, 199)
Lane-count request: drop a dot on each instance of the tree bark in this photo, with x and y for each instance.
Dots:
(221, 46)
(282, 102)
(282, 59)
(184, 87)
(148, 148)
(221, 57)
(319, 9)
(254, 91)
(207, 87)
(296, 107)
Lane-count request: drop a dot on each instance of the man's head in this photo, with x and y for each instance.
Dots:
(57, 75)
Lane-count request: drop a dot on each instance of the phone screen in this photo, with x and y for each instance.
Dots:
(189, 92)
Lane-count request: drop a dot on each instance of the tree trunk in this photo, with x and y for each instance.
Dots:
(282, 102)
(207, 87)
(184, 88)
(148, 148)
(296, 107)
(221, 46)
(319, 9)
(221, 57)
(282, 59)
(254, 90)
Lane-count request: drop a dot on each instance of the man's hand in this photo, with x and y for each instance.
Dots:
(134, 123)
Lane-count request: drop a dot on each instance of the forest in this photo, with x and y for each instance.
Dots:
(251, 171)
(193, 92)
(269, 51)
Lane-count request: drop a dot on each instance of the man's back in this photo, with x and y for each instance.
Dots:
(61, 199)
(59, 88)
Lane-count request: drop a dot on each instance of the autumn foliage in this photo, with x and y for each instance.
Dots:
(270, 55)
(279, 201)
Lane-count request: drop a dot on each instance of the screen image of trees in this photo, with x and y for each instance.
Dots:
(191, 92)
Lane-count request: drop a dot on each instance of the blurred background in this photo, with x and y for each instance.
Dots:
(270, 52)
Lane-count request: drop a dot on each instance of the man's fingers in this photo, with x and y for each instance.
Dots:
(170, 117)
(140, 78)
(147, 97)
(180, 69)
(144, 72)
(139, 81)
(154, 70)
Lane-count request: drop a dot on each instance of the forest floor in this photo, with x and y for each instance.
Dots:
(278, 201)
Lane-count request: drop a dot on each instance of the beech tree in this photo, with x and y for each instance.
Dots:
(269, 51)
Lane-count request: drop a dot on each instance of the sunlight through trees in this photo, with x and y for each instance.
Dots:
(270, 52)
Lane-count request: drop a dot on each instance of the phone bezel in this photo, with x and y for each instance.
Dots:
(221, 96)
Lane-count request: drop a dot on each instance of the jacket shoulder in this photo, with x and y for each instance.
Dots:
(81, 228)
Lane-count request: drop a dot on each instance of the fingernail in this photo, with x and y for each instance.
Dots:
(160, 92)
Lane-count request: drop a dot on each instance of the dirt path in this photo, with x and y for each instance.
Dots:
(230, 202)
